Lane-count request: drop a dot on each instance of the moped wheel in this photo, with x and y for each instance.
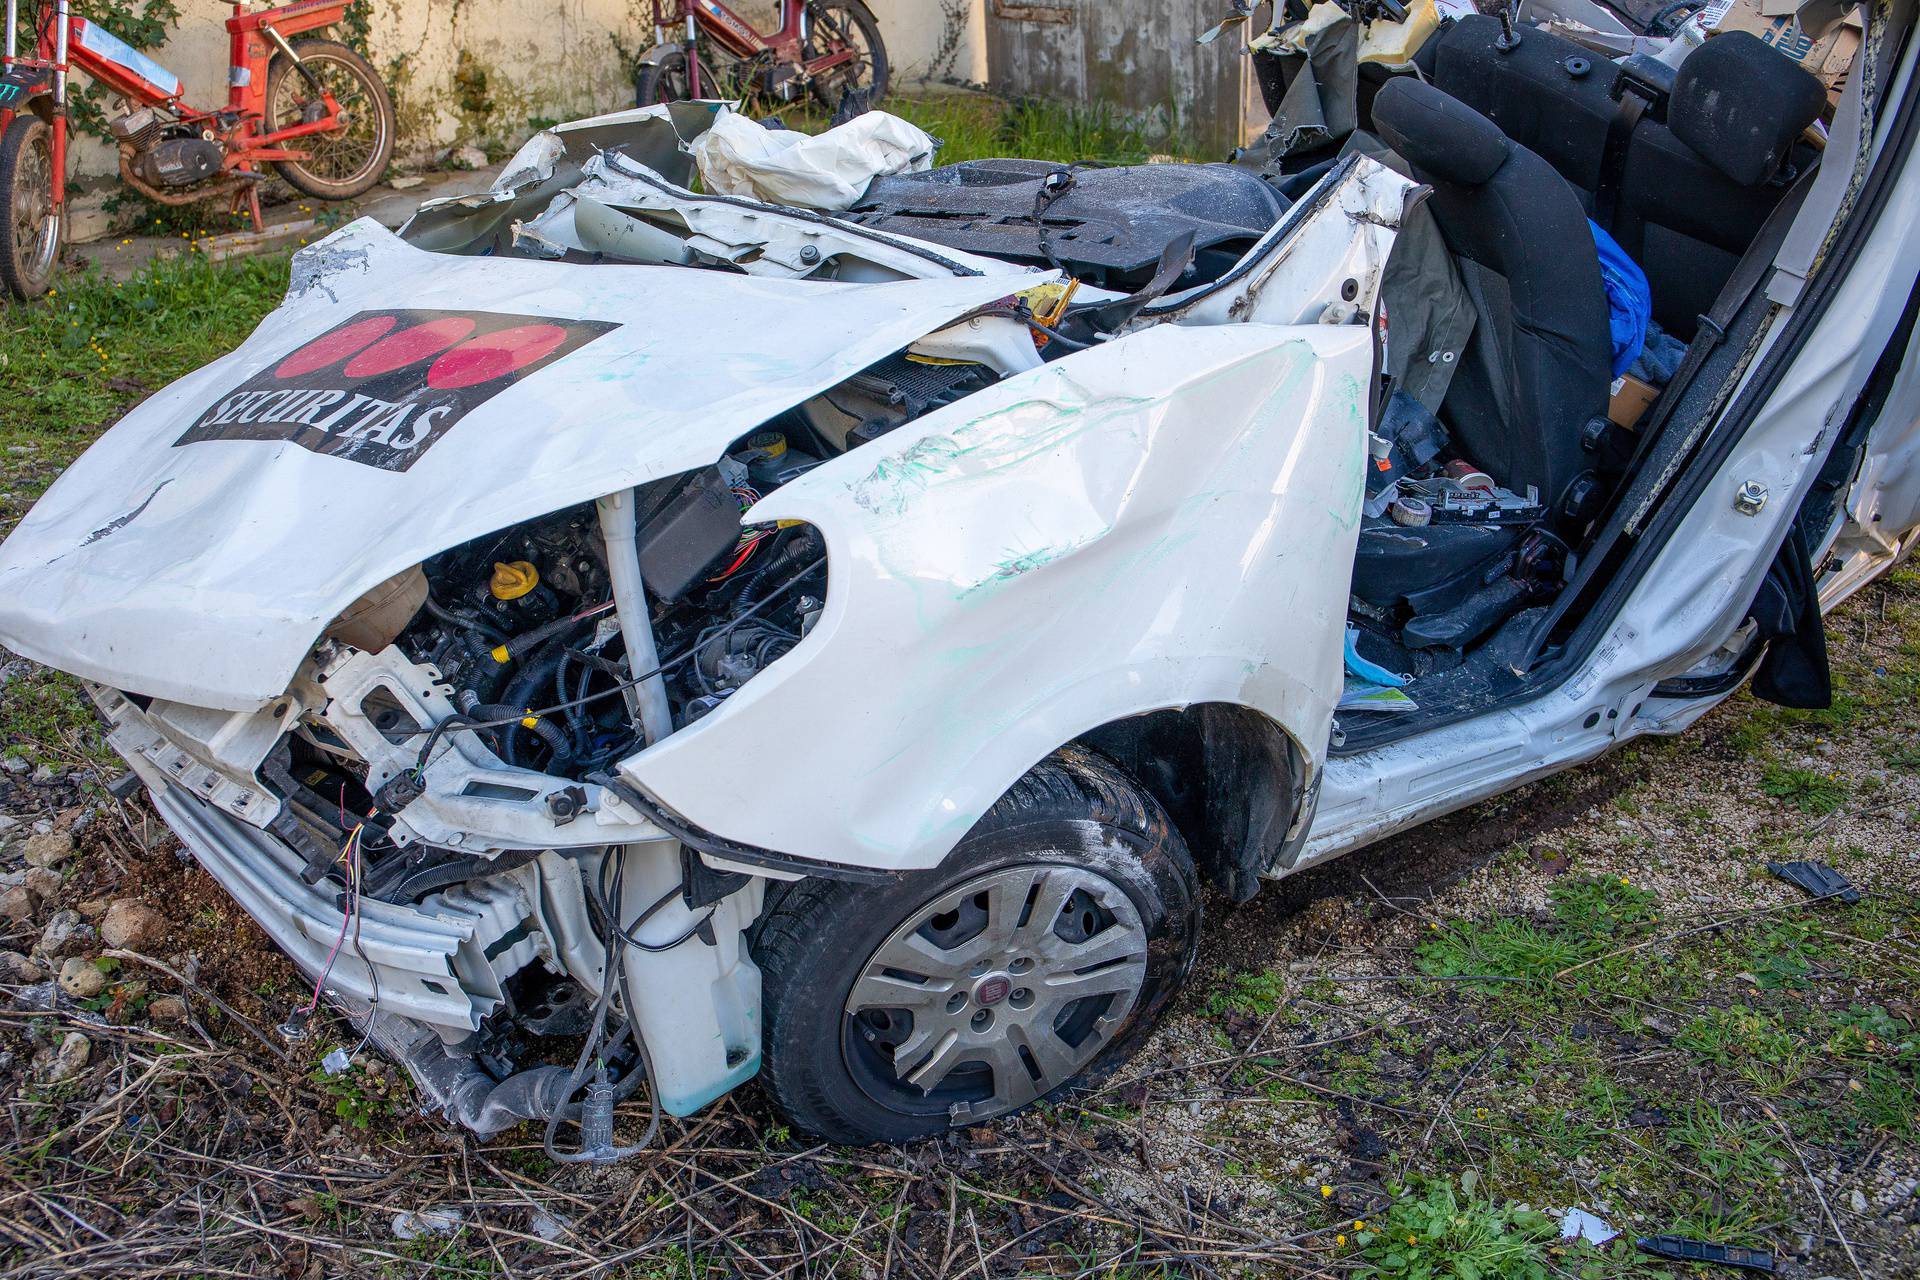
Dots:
(30, 236)
(350, 159)
(666, 80)
(848, 24)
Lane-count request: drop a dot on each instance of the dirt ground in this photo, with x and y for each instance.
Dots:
(1588, 993)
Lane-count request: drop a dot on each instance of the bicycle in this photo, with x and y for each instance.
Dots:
(830, 49)
(314, 110)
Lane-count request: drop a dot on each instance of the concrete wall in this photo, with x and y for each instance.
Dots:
(482, 70)
(1137, 55)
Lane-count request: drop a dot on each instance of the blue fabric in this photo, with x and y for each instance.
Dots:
(1629, 301)
(1660, 358)
(1371, 672)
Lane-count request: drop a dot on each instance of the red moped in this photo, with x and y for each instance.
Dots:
(313, 109)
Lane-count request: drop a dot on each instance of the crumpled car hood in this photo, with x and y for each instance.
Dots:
(401, 402)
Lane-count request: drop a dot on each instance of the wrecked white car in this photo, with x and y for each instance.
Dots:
(841, 646)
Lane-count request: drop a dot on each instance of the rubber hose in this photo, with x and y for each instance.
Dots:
(466, 620)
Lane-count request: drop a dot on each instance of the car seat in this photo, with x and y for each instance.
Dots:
(1681, 175)
(1537, 369)
(1696, 189)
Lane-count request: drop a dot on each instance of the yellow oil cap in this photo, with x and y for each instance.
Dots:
(511, 581)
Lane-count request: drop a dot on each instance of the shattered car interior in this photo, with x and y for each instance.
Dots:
(618, 610)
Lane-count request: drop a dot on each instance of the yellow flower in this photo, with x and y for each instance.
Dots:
(1359, 1225)
(1325, 1190)
(1413, 1240)
(1339, 1239)
(1623, 880)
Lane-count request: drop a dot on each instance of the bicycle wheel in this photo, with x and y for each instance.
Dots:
(30, 236)
(833, 25)
(345, 162)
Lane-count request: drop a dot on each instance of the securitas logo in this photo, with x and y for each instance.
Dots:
(380, 387)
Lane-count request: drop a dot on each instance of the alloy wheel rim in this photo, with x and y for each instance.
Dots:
(996, 992)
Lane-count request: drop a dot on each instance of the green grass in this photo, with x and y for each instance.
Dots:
(1254, 993)
(1808, 790)
(1438, 1232)
(1591, 915)
(978, 127)
(45, 718)
(78, 358)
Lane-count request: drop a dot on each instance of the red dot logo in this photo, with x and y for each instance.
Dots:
(494, 355)
(333, 347)
(409, 346)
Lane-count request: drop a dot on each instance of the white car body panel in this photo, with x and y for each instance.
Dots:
(1144, 525)
(204, 573)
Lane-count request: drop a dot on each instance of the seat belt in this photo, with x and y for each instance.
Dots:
(1748, 273)
(1631, 104)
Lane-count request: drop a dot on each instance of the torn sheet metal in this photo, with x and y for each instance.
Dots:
(1319, 107)
(1329, 252)
(1137, 526)
(624, 212)
(553, 160)
(827, 171)
(158, 562)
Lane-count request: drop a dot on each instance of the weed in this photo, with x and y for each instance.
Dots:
(45, 718)
(1808, 790)
(1589, 915)
(1436, 1231)
(359, 1097)
(1882, 1053)
(1255, 994)
(1753, 1045)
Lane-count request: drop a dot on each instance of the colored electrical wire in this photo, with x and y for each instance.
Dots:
(326, 970)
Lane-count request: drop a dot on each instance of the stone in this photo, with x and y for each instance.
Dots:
(7, 823)
(14, 764)
(81, 979)
(92, 909)
(132, 926)
(167, 1009)
(65, 934)
(405, 182)
(16, 903)
(45, 773)
(42, 882)
(71, 1058)
(1857, 1201)
(49, 850)
(16, 967)
(467, 156)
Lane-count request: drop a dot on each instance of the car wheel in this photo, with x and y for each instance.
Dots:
(1035, 959)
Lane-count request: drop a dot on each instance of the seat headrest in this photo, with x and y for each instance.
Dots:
(1741, 104)
(1439, 135)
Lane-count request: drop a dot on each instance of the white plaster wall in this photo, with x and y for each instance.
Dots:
(541, 58)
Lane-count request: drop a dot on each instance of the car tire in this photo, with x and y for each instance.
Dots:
(1034, 960)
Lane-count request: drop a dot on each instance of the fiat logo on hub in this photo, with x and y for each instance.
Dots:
(381, 387)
